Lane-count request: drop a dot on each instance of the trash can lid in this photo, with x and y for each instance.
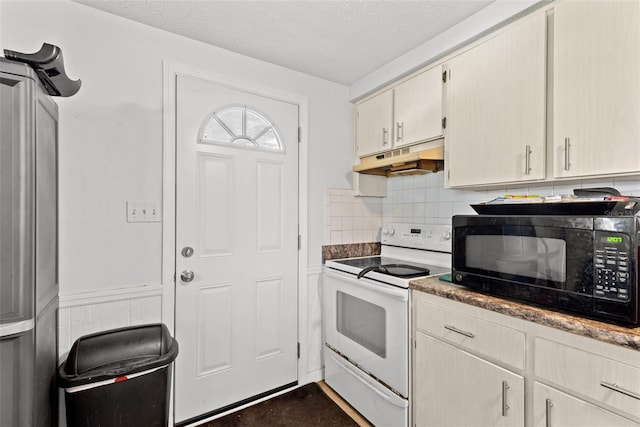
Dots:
(117, 352)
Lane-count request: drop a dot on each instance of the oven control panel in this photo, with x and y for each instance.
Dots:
(434, 237)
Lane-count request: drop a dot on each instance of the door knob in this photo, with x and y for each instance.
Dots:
(187, 276)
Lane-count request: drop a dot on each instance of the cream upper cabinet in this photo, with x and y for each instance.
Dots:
(495, 108)
(418, 108)
(406, 114)
(374, 124)
(596, 88)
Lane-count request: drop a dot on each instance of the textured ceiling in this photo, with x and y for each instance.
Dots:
(337, 40)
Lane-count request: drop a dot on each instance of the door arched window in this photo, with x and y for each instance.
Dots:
(241, 126)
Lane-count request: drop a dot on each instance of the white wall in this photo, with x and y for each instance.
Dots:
(111, 134)
(111, 151)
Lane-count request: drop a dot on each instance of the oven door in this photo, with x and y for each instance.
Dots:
(368, 323)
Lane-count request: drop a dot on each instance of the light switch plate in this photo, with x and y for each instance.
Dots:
(144, 211)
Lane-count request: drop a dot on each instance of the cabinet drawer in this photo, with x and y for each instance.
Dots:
(604, 380)
(477, 335)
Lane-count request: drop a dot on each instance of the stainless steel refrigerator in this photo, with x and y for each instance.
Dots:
(28, 249)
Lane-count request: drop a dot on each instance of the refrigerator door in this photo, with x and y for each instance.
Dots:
(16, 199)
(17, 375)
(46, 207)
(28, 249)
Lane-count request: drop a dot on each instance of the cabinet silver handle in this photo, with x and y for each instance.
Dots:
(505, 405)
(617, 388)
(399, 131)
(459, 331)
(567, 147)
(385, 136)
(547, 414)
(527, 159)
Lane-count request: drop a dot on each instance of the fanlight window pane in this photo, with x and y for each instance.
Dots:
(241, 126)
(232, 118)
(215, 132)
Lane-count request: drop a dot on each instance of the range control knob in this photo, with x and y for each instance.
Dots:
(446, 235)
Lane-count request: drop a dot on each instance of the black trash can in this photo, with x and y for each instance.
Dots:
(119, 377)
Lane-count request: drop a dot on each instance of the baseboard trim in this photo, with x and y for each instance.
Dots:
(236, 406)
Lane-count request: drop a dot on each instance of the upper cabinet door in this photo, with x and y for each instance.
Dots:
(418, 108)
(374, 124)
(596, 87)
(495, 108)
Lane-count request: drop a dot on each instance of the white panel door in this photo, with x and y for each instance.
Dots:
(237, 208)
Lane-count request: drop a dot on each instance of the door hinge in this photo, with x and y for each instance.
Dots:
(299, 134)
(444, 76)
(298, 350)
(444, 123)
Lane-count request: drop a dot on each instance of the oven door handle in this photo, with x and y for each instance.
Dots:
(371, 285)
(364, 381)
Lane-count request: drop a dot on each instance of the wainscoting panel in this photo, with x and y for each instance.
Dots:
(84, 314)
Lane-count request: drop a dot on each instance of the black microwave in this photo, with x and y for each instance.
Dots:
(587, 265)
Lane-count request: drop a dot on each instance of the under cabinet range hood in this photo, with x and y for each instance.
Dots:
(403, 161)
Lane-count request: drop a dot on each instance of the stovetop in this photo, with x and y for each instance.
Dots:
(356, 265)
(408, 252)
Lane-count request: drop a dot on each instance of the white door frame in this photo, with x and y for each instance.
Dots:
(170, 72)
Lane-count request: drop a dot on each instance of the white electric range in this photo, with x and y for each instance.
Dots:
(366, 317)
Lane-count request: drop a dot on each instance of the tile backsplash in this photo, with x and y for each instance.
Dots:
(351, 219)
(423, 199)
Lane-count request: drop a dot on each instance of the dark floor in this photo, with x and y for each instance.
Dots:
(303, 407)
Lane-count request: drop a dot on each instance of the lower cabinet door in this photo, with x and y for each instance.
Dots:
(454, 388)
(552, 407)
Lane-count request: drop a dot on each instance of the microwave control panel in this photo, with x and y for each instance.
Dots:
(612, 253)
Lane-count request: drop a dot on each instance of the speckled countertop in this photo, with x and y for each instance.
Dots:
(614, 334)
(351, 250)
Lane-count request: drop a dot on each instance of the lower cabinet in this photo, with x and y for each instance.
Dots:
(552, 407)
(455, 388)
(474, 367)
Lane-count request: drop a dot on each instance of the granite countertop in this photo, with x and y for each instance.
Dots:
(350, 250)
(614, 334)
